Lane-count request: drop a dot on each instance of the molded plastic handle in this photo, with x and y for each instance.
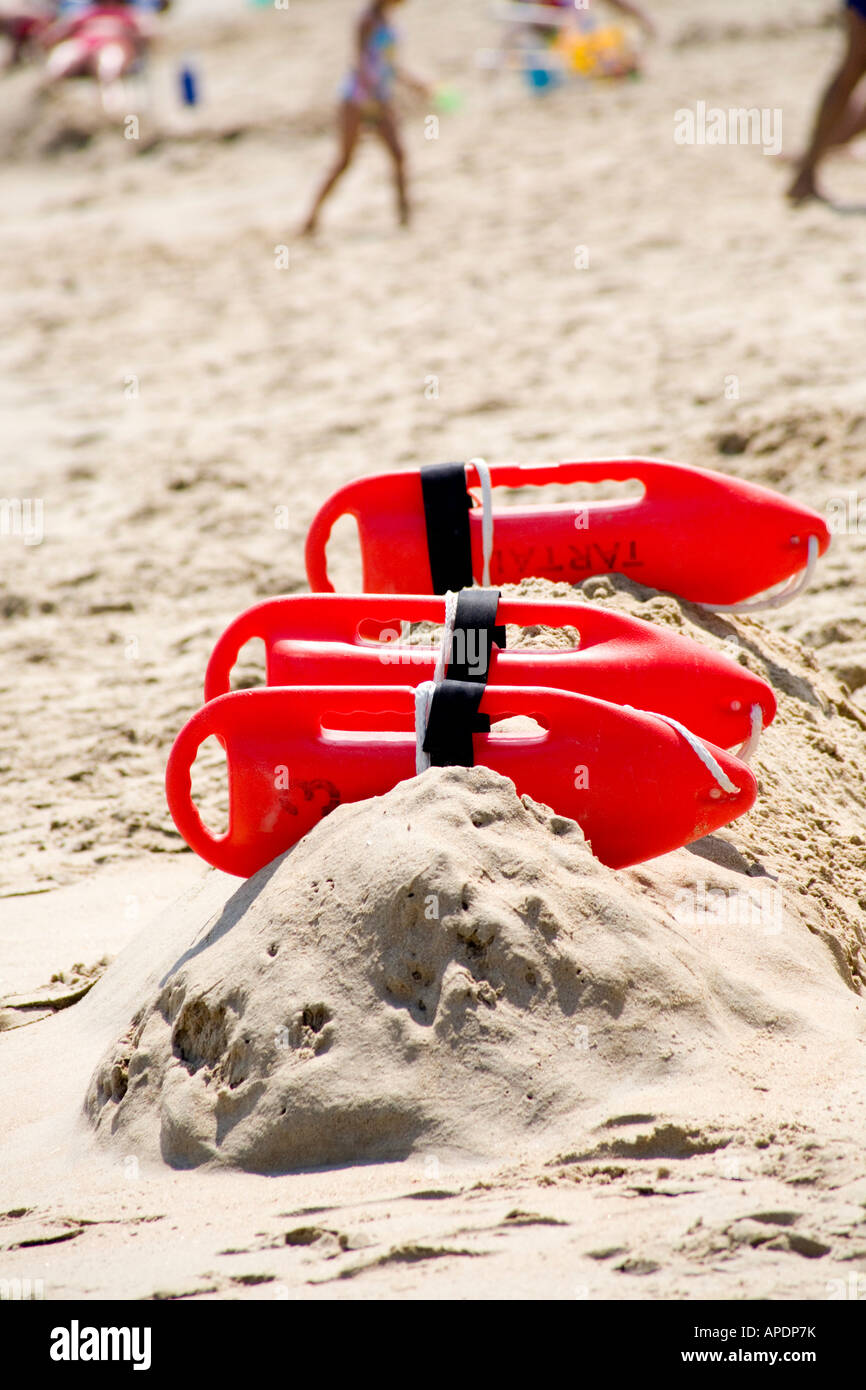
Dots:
(315, 551)
(178, 782)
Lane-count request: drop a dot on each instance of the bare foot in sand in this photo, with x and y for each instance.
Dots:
(840, 118)
(805, 190)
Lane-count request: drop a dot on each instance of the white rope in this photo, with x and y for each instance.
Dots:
(750, 747)
(793, 587)
(710, 763)
(483, 472)
(423, 696)
(444, 657)
(424, 692)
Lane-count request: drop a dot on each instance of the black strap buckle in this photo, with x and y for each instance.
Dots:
(446, 514)
(453, 719)
(475, 631)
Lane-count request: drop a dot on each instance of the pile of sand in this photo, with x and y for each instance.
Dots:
(805, 832)
(413, 971)
(449, 966)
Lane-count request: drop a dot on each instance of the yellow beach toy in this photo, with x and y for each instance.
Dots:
(606, 51)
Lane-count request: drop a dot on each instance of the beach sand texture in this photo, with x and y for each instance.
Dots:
(573, 1086)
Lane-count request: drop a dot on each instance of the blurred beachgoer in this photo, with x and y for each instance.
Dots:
(625, 7)
(21, 24)
(366, 103)
(839, 118)
(103, 41)
(578, 40)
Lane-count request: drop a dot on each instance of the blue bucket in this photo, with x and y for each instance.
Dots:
(541, 79)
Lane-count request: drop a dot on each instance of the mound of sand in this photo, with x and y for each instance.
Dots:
(446, 966)
(413, 970)
(804, 835)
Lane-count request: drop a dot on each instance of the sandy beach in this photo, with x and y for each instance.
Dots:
(638, 1099)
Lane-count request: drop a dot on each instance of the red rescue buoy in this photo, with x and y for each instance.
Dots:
(702, 535)
(637, 786)
(337, 639)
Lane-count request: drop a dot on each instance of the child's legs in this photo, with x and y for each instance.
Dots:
(832, 111)
(390, 136)
(349, 128)
(112, 60)
(68, 59)
(852, 124)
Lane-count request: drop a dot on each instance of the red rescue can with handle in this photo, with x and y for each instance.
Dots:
(704, 536)
(338, 639)
(637, 786)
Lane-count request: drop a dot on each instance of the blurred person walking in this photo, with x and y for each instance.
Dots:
(104, 41)
(839, 118)
(367, 103)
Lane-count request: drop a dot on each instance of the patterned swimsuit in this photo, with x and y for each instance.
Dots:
(370, 85)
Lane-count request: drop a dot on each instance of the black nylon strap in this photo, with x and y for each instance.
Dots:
(475, 630)
(446, 513)
(454, 718)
